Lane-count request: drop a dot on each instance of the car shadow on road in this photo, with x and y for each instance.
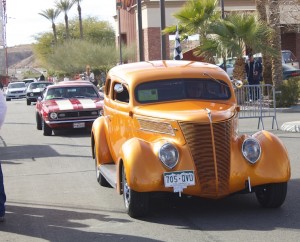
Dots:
(53, 224)
(14, 154)
(240, 211)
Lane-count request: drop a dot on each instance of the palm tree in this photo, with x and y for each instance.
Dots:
(51, 14)
(65, 6)
(194, 18)
(79, 17)
(267, 63)
(233, 35)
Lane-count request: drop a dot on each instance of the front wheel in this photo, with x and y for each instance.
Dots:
(28, 102)
(272, 195)
(47, 131)
(136, 203)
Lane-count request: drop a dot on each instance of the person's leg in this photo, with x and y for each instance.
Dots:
(2, 194)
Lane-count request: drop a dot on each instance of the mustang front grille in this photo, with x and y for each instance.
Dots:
(214, 180)
(78, 114)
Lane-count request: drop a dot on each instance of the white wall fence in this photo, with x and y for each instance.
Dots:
(257, 101)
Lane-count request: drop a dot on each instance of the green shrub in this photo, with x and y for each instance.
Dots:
(289, 92)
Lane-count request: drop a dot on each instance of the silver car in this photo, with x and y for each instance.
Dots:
(15, 90)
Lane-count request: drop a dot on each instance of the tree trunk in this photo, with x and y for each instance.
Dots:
(274, 19)
(67, 26)
(239, 69)
(80, 21)
(266, 59)
(54, 33)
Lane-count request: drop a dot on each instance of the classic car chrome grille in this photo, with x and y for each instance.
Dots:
(214, 181)
(157, 127)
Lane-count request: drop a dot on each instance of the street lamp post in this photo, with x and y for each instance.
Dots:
(140, 30)
(119, 6)
(162, 27)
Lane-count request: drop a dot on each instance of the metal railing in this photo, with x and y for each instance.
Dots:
(257, 101)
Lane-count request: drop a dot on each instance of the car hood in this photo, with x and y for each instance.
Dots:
(16, 89)
(72, 104)
(195, 111)
(40, 89)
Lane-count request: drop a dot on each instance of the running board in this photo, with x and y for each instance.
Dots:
(109, 172)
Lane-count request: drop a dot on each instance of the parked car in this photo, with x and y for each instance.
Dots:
(35, 90)
(289, 71)
(172, 126)
(68, 105)
(15, 90)
(289, 58)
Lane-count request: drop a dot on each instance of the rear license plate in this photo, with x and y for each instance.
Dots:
(179, 178)
(78, 125)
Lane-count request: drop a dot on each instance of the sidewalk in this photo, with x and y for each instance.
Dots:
(288, 120)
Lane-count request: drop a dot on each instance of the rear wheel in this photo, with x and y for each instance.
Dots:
(100, 178)
(38, 122)
(47, 131)
(136, 203)
(272, 195)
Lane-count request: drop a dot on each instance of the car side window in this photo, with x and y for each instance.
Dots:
(122, 96)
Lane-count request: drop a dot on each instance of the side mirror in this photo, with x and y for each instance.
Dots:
(118, 88)
(237, 83)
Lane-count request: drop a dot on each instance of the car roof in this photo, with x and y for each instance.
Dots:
(16, 82)
(135, 73)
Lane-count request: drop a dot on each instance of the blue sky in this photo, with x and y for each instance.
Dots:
(23, 20)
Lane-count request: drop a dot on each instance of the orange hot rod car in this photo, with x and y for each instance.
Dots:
(172, 126)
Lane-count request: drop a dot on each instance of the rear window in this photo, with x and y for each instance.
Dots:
(179, 89)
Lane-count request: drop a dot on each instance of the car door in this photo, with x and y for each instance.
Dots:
(119, 118)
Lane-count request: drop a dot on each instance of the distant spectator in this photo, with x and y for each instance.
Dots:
(42, 77)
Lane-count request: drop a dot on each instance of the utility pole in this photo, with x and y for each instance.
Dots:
(140, 30)
(119, 6)
(162, 27)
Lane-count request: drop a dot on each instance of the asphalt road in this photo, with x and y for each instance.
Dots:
(52, 194)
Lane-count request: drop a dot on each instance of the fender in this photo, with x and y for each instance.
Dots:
(272, 167)
(142, 165)
(99, 141)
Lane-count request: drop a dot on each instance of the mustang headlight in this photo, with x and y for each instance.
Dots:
(251, 150)
(53, 115)
(168, 154)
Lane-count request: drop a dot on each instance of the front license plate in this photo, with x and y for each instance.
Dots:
(179, 178)
(78, 125)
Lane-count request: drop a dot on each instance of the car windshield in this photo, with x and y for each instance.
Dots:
(179, 89)
(38, 85)
(16, 85)
(72, 92)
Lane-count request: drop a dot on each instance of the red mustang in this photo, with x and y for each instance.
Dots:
(69, 104)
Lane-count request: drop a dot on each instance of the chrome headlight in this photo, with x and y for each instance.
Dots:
(168, 154)
(251, 150)
(53, 115)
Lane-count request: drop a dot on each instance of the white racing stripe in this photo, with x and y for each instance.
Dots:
(87, 103)
(64, 104)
